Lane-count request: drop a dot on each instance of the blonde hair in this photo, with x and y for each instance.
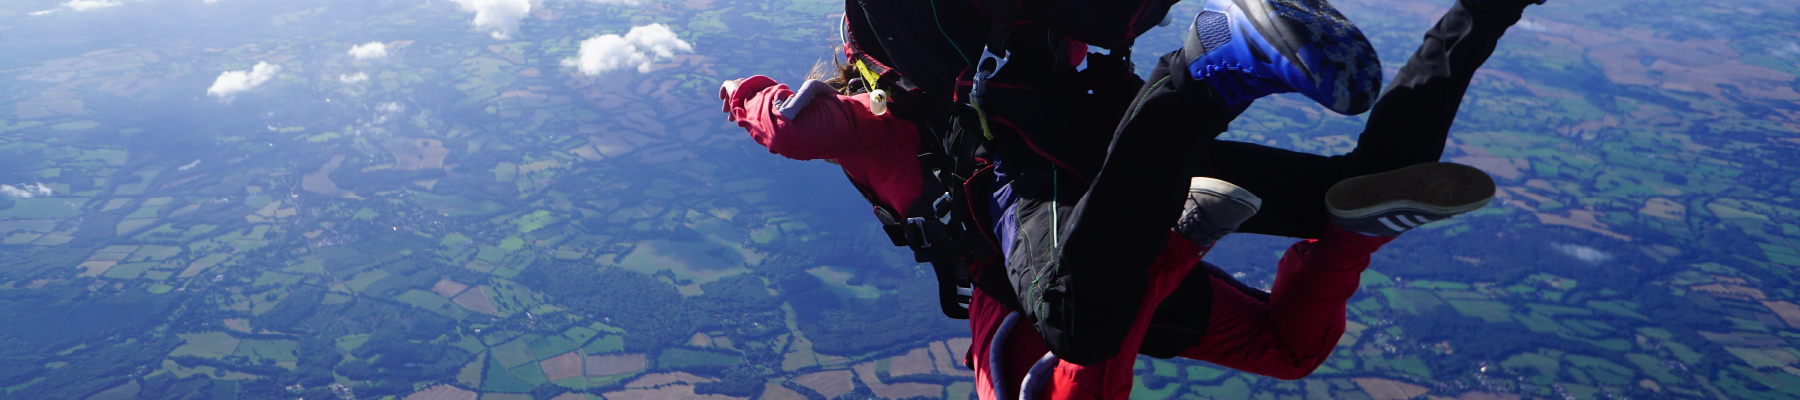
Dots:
(835, 73)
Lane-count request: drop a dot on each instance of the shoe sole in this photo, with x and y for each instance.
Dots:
(1437, 188)
(1276, 34)
(1225, 190)
(1335, 43)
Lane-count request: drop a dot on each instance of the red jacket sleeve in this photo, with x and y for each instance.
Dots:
(827, 125)
(879, 151)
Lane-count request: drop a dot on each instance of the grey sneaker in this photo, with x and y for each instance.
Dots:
(1390, 203)
(1215, 208)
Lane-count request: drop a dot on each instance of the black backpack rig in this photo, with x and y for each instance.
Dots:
(948, 49)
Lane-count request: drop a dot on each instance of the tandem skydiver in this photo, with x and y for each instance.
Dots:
(1094, 267)
(855, 136)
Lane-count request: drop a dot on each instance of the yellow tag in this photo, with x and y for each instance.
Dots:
(869, 77)
(985, 132)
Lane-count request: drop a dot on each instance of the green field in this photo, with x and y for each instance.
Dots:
(837, 279)
(499, 380)
(434, 303)
(351, 342)
(682, 357)
(604, 345)
(530, 373)
(277, 350)
(552, 346)
(697, 261)
(512, 354)
(208, 345)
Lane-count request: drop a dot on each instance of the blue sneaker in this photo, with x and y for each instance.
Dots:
(1247, 49)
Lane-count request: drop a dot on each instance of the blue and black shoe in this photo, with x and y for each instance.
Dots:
(1393, 202)
(1247, 49)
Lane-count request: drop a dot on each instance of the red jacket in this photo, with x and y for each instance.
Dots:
(879, 151)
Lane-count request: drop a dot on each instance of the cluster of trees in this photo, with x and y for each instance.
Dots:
(651, 311)
(351, 177)
(404, 359)
(99, 336)
(35, 324)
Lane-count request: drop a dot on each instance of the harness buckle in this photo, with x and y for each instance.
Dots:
(924, 233)
(942, 207)
(990, 64)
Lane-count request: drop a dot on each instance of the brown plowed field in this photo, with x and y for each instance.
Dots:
(567, 365)
(829, 383)
(614, 364)
(915, 362)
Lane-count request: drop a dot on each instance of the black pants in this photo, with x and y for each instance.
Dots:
(1408, 126)
(1167, 136)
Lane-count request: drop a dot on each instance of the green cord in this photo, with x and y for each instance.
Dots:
(940, 26)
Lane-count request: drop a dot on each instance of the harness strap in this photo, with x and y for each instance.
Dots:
(1038, 376)
(996, 355)
(890, 220)
(928, 233)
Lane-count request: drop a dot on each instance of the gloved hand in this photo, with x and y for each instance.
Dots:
(729, 87)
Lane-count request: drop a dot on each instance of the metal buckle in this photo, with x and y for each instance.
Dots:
(916, 225)
(983, 72)
(943, 212)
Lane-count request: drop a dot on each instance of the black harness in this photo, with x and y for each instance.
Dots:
(945, 45)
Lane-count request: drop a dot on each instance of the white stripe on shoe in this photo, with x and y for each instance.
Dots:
(1391, 225)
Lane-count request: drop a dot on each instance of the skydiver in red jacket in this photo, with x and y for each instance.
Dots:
(1284, 334)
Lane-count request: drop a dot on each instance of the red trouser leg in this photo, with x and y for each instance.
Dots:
(1292, 334)
(1287, 337)
(1107, 380)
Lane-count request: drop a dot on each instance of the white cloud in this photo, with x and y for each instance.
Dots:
(618, 2)
(1530, 25)
(658, 39)
(638, 48)
(500, 15)
(368, 50)
(232, 82)
(25, 191)
(84, 5)
(358, 78)
(1789, 49)
(1583, 253)
(605, 53)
